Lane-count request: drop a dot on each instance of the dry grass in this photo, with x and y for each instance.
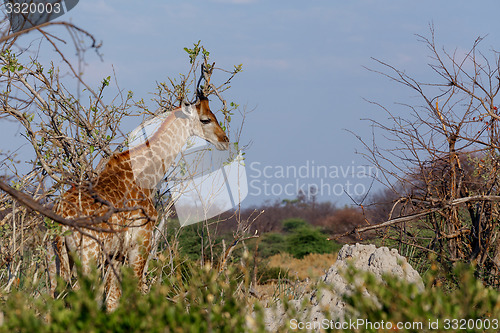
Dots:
(300, 272)
(311, 266)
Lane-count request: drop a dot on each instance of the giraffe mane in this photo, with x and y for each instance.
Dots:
(166, 119)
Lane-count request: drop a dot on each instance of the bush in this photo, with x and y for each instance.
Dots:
(306, 240)
(209, 302)
(272, 244)
(189, 239)
(292, 224)
(471, 304)
(300, 239)
(214, 302)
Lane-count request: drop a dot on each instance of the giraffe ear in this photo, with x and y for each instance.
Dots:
(187, 109)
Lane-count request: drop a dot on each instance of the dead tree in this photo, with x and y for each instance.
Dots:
(443, 159)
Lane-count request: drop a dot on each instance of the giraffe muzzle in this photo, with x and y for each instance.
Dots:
(222, 145)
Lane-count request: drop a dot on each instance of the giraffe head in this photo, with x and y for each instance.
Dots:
(206, 125)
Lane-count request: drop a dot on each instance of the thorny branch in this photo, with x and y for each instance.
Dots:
(443, 161)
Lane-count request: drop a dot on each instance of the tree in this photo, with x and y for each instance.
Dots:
(72, 128)
(445, 160)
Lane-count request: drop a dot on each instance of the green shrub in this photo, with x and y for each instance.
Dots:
(189, 239)
(472, 304)
(300, 239)
(306, 240)
(271, 244)
(294, 223)
(209, 302)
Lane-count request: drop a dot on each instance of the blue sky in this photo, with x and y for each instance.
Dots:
(303, 63)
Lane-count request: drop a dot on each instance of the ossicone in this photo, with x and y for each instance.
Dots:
(200, 95)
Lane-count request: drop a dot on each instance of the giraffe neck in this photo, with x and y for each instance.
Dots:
(150, 160)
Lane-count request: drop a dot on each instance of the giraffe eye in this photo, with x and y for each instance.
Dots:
(205, 121)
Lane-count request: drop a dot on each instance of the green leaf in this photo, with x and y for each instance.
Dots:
(67, 233)
(105, 82)
(91, 149)
(238, 68)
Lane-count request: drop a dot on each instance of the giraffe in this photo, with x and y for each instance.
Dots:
(127, 184)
